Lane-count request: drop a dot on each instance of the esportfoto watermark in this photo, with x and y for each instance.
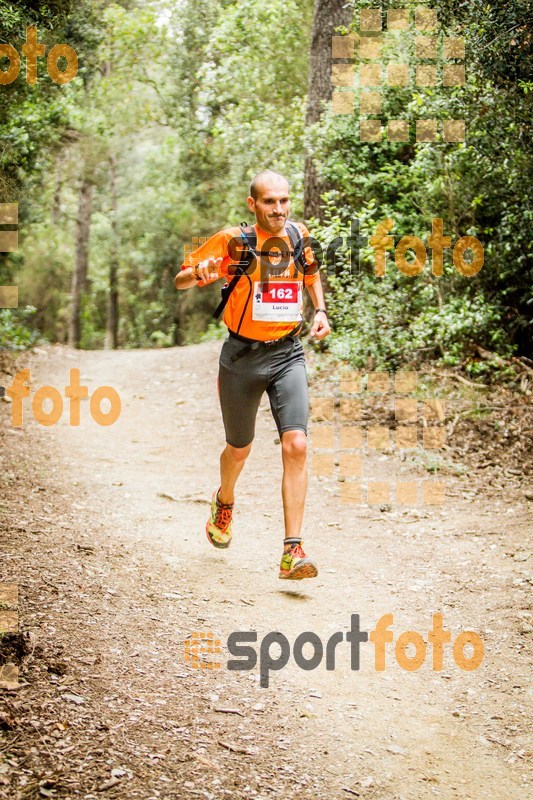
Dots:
(417, 57)
(32, 50)
(9, 624)
(339, 435)
(9, 242)
(201, 647)
(51, 397)
(275, 254)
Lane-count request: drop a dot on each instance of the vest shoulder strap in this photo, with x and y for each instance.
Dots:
(248, 253)
(297, 244)
(249, 236)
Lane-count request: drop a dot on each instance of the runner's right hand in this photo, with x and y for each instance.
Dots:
(207, 270)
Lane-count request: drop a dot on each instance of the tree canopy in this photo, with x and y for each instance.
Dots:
(177, 105)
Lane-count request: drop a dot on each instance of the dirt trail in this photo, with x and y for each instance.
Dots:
(114, 576)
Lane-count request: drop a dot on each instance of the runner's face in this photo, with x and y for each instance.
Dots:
(272, 206)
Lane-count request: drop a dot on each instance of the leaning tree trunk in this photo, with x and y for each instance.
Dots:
(111, 338)
(328, 15)
(79, 278)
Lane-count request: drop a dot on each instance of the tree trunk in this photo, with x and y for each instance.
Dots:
(56, 206)
(111, 338)
(328, 15)
(79, 278)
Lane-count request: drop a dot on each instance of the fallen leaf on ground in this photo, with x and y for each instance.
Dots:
(234, 749)
(73, 698)
(229, 711)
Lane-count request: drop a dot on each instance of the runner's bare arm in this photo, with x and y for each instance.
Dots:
(320, 327)
(196, 276)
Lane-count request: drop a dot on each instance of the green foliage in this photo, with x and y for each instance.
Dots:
(191, 99)
(30, 115)
(15, 333)
(501, 31)
(15, 17)
(480, 188)
(44, 280)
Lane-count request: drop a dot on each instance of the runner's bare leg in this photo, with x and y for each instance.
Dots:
(231, 463)
(294, 483)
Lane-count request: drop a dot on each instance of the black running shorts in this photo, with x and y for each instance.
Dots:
(279, 371)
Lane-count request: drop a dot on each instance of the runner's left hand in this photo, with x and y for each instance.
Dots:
(320, 327)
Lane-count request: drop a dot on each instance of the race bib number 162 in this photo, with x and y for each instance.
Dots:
(277, 301)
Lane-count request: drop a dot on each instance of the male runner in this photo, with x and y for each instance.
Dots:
(263, 353)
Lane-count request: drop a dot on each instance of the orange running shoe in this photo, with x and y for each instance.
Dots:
(218, 526)
(295, 565)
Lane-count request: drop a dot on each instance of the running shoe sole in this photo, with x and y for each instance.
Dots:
(304, 569)
(220, 545)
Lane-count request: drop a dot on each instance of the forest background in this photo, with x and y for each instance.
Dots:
(178, 103)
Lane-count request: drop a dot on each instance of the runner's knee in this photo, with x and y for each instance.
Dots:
(294, 445)
(238, 453)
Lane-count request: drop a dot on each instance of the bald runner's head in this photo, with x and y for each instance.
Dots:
(269, 200)
(268, 176)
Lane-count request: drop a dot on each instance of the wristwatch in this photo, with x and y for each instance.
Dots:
(321, 309)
